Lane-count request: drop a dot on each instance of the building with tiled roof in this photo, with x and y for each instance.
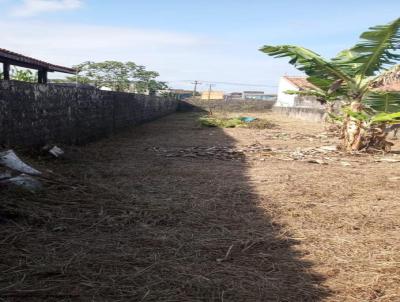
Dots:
(300, 82)
(389, 83)
(295, 84)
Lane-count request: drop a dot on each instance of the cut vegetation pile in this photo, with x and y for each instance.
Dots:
(245, 122)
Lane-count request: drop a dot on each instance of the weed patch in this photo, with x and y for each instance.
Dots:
(244, 122)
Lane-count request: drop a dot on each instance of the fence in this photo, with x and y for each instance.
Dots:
(37, 114)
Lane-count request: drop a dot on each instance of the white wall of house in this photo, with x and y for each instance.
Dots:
(284, 99)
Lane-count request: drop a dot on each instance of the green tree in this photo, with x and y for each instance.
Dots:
(154, 86)
(145, 80)
(352, 75)
(118, 76)
(24, 75)
(111, 74)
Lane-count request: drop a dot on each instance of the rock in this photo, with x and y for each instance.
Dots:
(345, 163)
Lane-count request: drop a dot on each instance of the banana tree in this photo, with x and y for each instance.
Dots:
(353, 74)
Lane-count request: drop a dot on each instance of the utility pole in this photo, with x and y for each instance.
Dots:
(195, 87)
(209, 91)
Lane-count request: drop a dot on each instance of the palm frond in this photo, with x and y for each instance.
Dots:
(361, 116)
(322, 83)
(386, 102)
(308, 61)
(377, 49)
(388, 118)
(333, 90)
(346, 60)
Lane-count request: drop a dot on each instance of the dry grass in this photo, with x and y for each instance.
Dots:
(120, 223)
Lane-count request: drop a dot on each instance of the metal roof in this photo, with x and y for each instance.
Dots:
(16, 59)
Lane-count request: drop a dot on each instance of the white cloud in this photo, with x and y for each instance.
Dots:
(176, 56)
(71, 42)
(35, 7)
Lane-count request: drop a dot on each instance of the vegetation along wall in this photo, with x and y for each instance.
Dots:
(38, 114)
(228, 106)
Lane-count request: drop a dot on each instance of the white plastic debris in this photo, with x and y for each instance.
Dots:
(24, 181)
(10, 160)
(328, 148)
(56, 151)
(5, 175)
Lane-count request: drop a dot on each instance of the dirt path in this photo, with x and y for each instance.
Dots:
(142, 217)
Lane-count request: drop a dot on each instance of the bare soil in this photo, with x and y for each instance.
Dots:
(171, 211)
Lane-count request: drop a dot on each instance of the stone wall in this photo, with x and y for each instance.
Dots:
(37, 114)
(308, 114)
(229, 106)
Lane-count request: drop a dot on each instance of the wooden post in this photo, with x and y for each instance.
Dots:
(39, 76)
(42, 76)
(6, 71)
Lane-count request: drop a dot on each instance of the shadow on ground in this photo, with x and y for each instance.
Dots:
(123, 223)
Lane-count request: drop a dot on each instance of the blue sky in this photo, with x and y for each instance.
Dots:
(211, 41)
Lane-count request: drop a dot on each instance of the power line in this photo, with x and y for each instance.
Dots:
(226, 83)
(239, 84)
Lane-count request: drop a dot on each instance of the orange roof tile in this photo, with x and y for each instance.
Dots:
(300, 82)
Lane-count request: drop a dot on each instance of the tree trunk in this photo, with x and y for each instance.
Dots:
(329, 109)
(354, 130)
(358, 135)
(330, 124)
(377, 138)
